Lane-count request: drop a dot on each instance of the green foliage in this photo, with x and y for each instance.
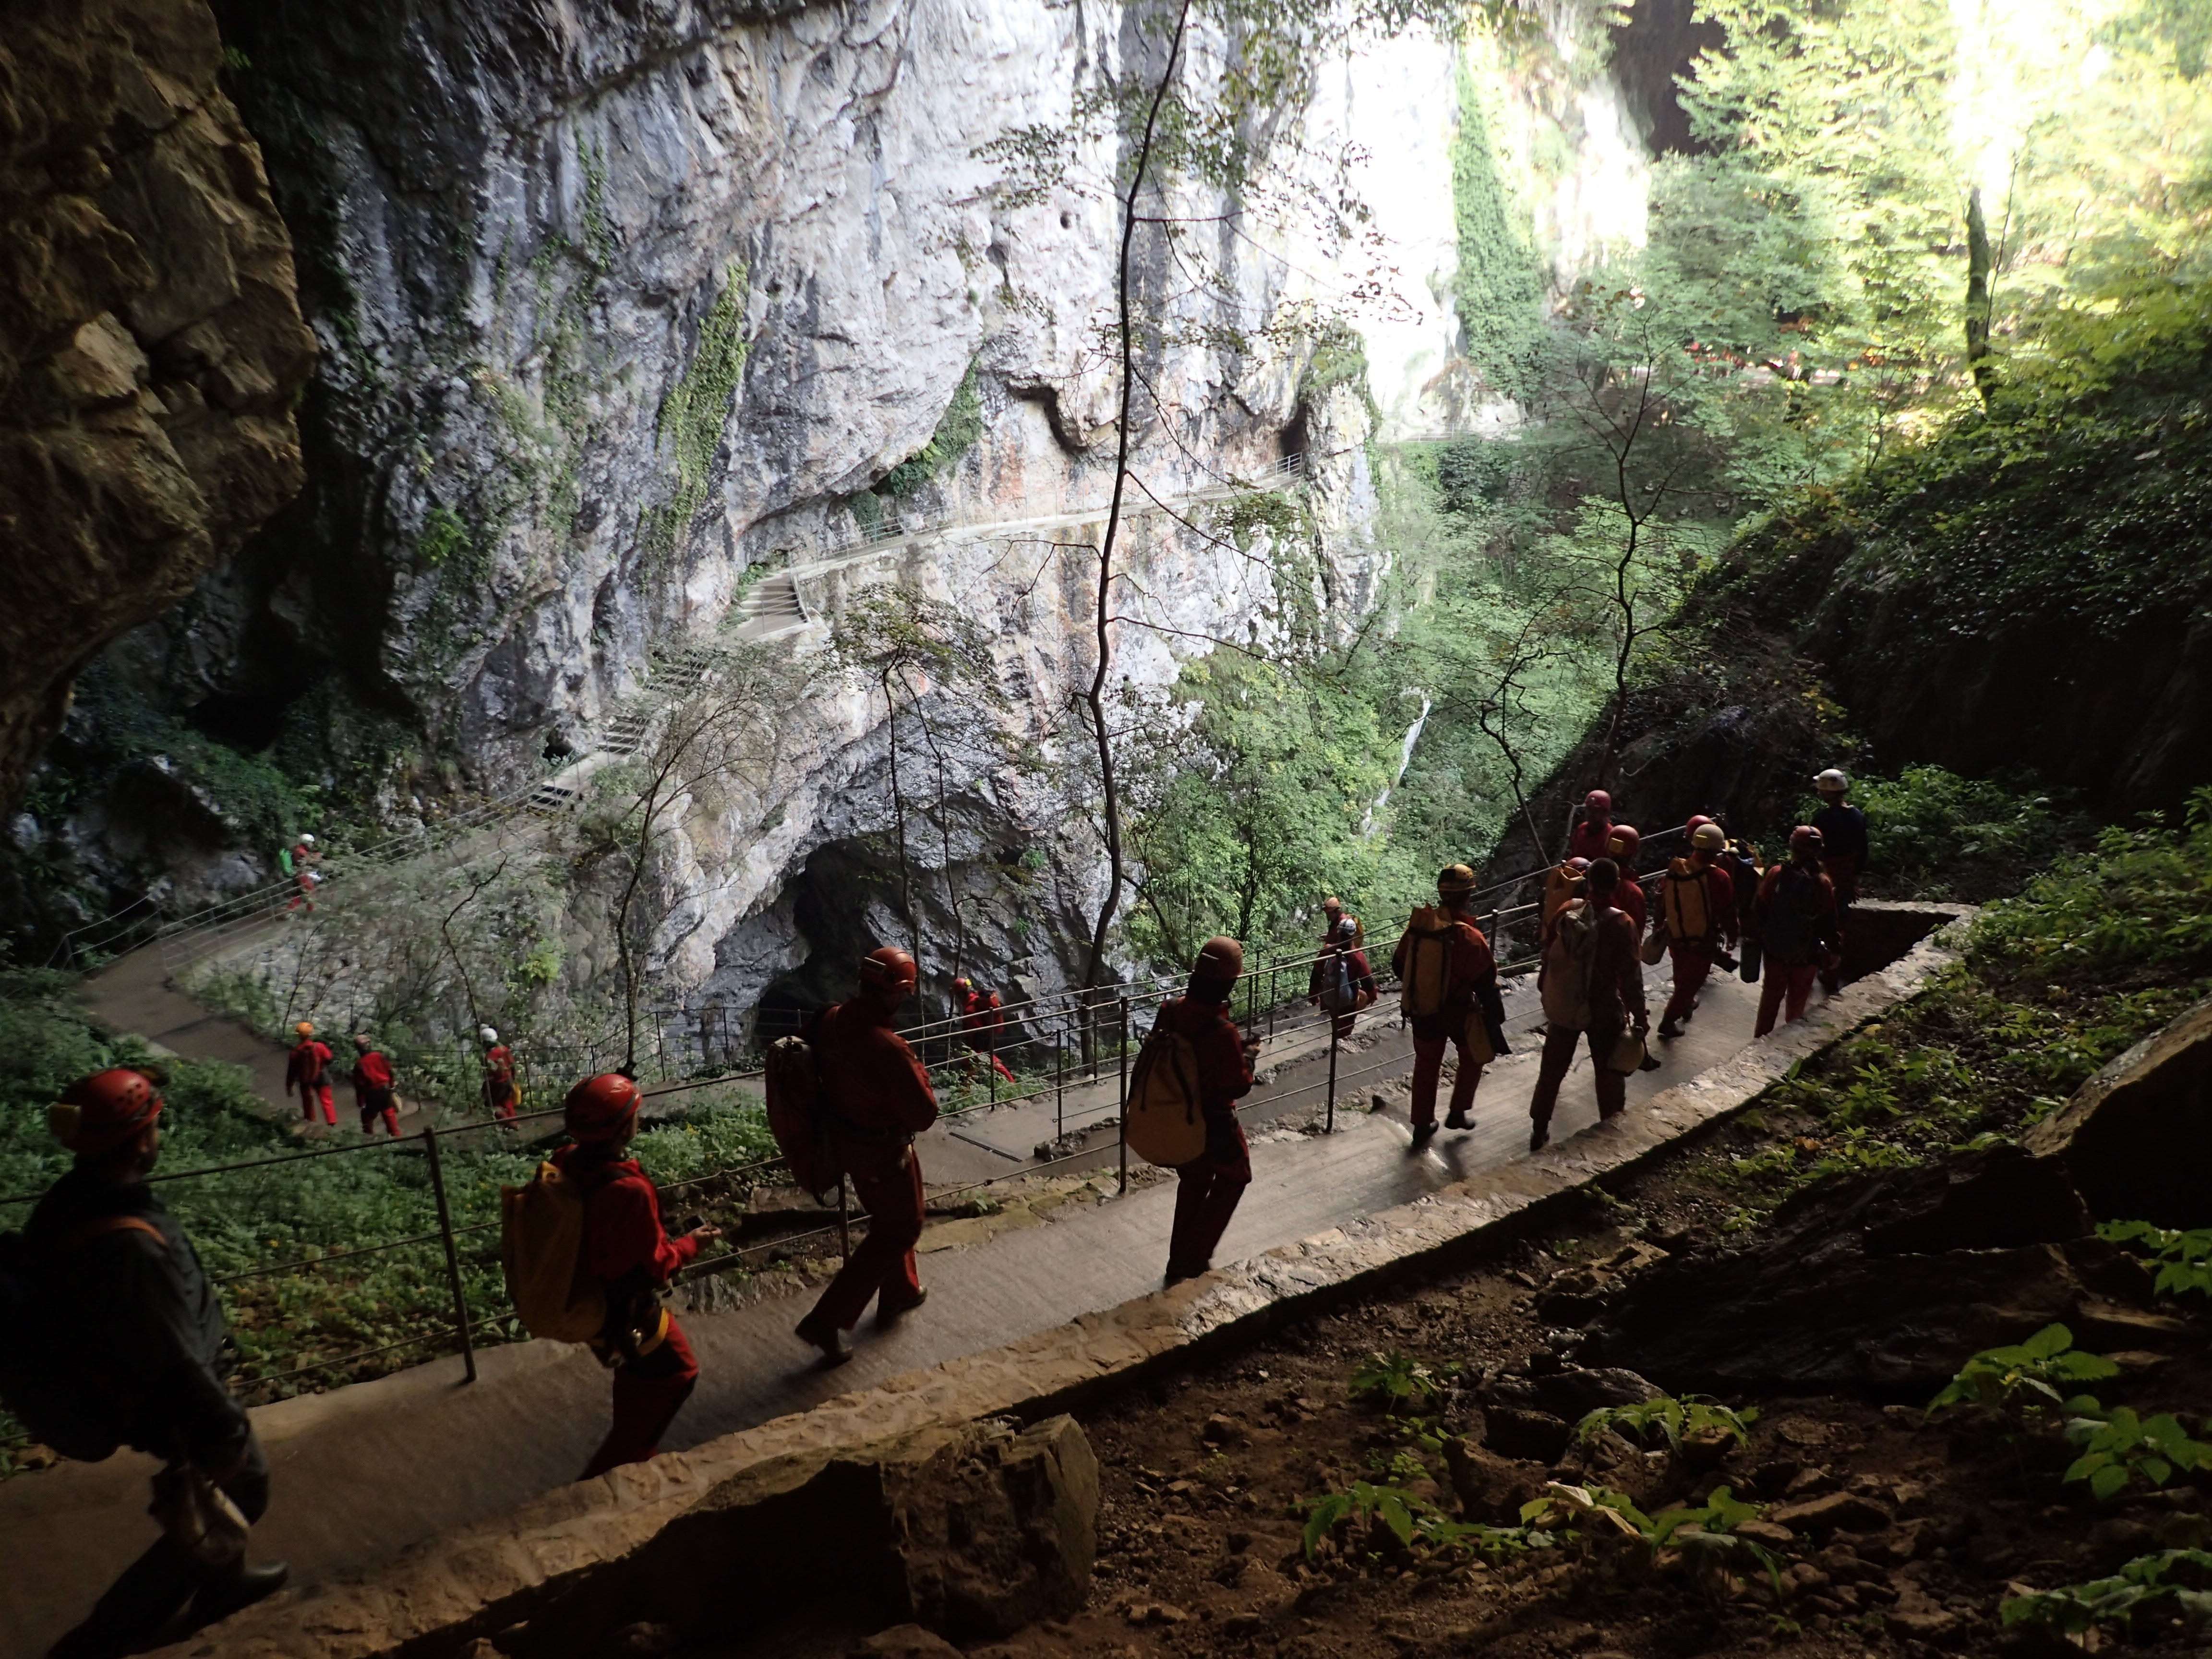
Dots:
(2184, 1259)
(957, 430)
(697, 406)
(1934, 835)
(2141, 1586)
(1412, 1519)
(2119, 1448)
(1397, 1382)
(2144, 899)
(1693, 1417)
(1497, 291)
(445, 540)
(2025, 1379)
(1703, 1537)
(717, 1136)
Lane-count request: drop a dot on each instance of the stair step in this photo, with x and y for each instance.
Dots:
(551, 799)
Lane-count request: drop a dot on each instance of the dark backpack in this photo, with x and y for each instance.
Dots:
(44, 1379)
(1787, 935)
(798, 1116)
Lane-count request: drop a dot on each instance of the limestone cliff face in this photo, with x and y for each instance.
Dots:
(151, 347)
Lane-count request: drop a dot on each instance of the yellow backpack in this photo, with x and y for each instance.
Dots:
(1560, 885)
(1427, 973)
(1688, 903)
(1163, 1123)
(541, 1247)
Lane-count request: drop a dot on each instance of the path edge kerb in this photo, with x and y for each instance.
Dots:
(475, 1580)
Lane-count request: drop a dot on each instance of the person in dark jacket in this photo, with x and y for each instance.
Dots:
(1209, 1187)
(1843, 839)
(149, 1335)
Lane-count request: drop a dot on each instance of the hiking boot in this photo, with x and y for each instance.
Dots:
(1539, 1137)
(821, 1334)
(1832, 983)
(1424, 1133)
(887, 1312)
(1179, 1271)
(1458, 1121)
(235, 1592)
(1669, 1029)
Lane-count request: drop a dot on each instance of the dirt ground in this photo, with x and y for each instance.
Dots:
(1909, 1529)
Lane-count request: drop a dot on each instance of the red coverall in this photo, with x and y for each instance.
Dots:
(1784, 978)
(1362, 981)
(1628, 899)
(306, 1071)
(1207, 1187)
(1591, 838)
(880, 1095)
(498, 1079)
(1693, 959)
(1616, 993)
(371, 1093)
(980, 1019)
(1473, 973)
(628, 1251)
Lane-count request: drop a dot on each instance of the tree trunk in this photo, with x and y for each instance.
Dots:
(1978, 272)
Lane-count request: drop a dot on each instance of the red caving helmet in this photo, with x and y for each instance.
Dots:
(1806, 839)
(1624, 844)
(887, 968)
(1580, 867)
(600, 1107)
(1598, 803)
(1698, 821)
(99, 1113)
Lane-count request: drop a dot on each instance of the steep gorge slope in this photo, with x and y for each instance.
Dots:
(151, 351)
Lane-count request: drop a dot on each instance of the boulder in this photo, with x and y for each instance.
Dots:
(905, 1642)
(1491, 1487)
(2136, 1141)
(1880, 1283)
(1573, 1395)
(968, 1532)
(1529, 1436)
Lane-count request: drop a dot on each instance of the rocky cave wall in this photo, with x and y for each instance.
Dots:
(151, 348)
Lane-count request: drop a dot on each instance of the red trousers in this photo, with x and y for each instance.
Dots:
(389, 1114)
(311, 1092)
(1780, 976)
(983, 1047)
(1692, 963)
(1208, 1190)
(1559, 1043)
(1428, 1067)
(500, 1097)
(891, 1195)
(648, 1392)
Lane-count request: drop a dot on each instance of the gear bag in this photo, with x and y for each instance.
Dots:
(44, 1381)
(541, 1247)
(1560, 886)
(1427, 978)
(1786, 931)
(1163, 1123)
(1688, 903)
(1570, 963)
(799, 1116)
(1339, 993)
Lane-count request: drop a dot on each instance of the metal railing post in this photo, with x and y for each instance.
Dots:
(453, 1256)
(1058, 1085)
(1331, 1128)
(844, 1224)
(1274, 994)
(1123, 1113)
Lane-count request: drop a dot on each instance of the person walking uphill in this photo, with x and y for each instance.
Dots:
(132, 1332)
(879, 1099)
(1592, 983)
(1696, 900)
(308, 1071)
(982, 1024)
(628, 1251)
(1209, 1187)
(1445, 967)
(1795, 915)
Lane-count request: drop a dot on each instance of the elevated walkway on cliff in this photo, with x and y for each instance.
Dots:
(772, 607)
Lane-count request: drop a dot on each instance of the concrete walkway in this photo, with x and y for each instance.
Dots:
(363, 1471)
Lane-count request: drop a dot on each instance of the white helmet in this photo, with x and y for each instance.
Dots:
(305, 840)
(1831, 781)
(487, 1036)
(1709, 838)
